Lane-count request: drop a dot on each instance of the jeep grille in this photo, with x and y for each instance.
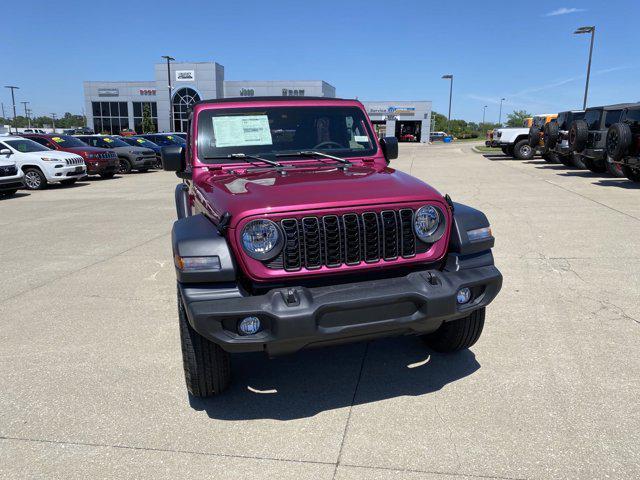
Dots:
(349, 239)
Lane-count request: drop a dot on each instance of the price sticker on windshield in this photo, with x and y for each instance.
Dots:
(57, 139)
(241, 131)
(108, 140)
(140, 140)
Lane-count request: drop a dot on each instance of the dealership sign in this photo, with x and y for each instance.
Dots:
(108, 92)
(185, 75)
(392, 111)
(147, 91)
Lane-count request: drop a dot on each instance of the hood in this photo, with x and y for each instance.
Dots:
(307, 189)
(131, 148)
(59, 154)
(7, 163)
(86, 150)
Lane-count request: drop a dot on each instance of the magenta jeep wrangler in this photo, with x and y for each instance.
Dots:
(293, 231)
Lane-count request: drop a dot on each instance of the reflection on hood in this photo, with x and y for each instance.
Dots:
(239, 184)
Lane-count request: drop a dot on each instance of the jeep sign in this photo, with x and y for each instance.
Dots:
(185, 75)
(108, 92)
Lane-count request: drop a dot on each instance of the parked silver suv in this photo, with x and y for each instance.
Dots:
(129, 157)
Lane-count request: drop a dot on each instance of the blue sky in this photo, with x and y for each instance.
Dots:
(373, 50)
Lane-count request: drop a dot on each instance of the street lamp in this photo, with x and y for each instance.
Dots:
(592, 31)
(53, 119)
(484, 111)
(13, 99)
(449, 77)
(169, 59)
(500, 114)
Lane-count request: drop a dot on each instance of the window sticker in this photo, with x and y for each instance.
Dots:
(361, 138)
(108, 140)
(240, 131)
(170, 137)
(139, 140)
(57, 139)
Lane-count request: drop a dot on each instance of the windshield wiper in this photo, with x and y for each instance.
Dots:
(311, 153)
(242, 156)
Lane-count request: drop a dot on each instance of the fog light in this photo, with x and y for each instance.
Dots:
(249, 326)
(463, 296)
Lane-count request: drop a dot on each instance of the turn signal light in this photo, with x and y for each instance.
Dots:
(194, 264)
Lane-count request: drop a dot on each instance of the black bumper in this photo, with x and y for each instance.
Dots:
(294, 318)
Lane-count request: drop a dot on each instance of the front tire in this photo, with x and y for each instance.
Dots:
(457, 334)
(124, 166)
(578, 161)
(207, 368)
(550, 157)
(34, 179)
(522, 150)
(631, 173)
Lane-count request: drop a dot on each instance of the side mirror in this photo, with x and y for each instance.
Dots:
(389, 147)
(173, 158)
(5, 151)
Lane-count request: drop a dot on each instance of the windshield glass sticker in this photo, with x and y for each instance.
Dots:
(240, 131)
(108, 140)
(361, 138)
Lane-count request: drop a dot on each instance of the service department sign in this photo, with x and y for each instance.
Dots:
(185, 75)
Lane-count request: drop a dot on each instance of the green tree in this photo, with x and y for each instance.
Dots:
(439, 122)
(147, 122)
(516, 118)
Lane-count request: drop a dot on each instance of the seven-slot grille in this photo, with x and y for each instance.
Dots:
(349, 239)
(8, 171)
(74, 161)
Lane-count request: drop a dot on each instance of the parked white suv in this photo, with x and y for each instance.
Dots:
(11, 178)
(40, 164)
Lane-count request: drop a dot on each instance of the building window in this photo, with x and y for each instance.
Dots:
(183, 100)
(138, 115)
(110, 117)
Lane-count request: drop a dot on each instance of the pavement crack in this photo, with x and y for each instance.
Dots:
(353, 400)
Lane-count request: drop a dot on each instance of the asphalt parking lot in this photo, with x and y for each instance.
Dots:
(92, 381)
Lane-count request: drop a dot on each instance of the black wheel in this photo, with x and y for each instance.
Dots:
(510, 150)
(107, 175)
(70, 181)
(614, 168)
(596, 166)
(619, 139)
(632, 174)
(578, 135)
(566, 160)
(8, 193)
(34, 179)
(550, 157)
(207, 368)
(522, 150)
(457, 334)
(551, 133)
(578, 161)
(505, 150)
(124, 165)
(534, 136)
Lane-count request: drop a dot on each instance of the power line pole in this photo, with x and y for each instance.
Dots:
(13, 99)
(500, 114)
(53, 118)
(449, 77)
(26, 112)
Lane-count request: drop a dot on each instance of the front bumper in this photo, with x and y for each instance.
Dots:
(101, 166)
(145, 162)
(11, 183)
(294, 318)
(65, 172)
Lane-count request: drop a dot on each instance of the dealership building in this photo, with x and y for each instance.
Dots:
(113, 106)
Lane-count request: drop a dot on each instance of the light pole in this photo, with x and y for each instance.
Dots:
(592, 31)
(500, 114)
(53, 118)
(449, 77)
(484, 111)
(13, 99)
(168, 59)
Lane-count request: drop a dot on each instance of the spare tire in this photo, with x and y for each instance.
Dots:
(578, 135)
(551, 133)
(534, 136)
(619, 139)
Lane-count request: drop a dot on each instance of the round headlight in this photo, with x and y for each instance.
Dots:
(261, 239)
(428, 224)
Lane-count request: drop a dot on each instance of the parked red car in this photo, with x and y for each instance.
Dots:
(127, 132)
(99, 161)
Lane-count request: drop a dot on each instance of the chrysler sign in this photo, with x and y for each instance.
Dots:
(108, 92)
(185, 75)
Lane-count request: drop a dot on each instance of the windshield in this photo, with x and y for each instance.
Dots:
(164, 140)
(67, 141)
(25, 145)
(142, 142)
(339, 131)
(104, 142)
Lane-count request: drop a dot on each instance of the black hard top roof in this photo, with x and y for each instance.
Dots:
(615, 106)
(265, 99)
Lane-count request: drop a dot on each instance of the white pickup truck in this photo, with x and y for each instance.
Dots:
(40, 164)
(514, 141)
